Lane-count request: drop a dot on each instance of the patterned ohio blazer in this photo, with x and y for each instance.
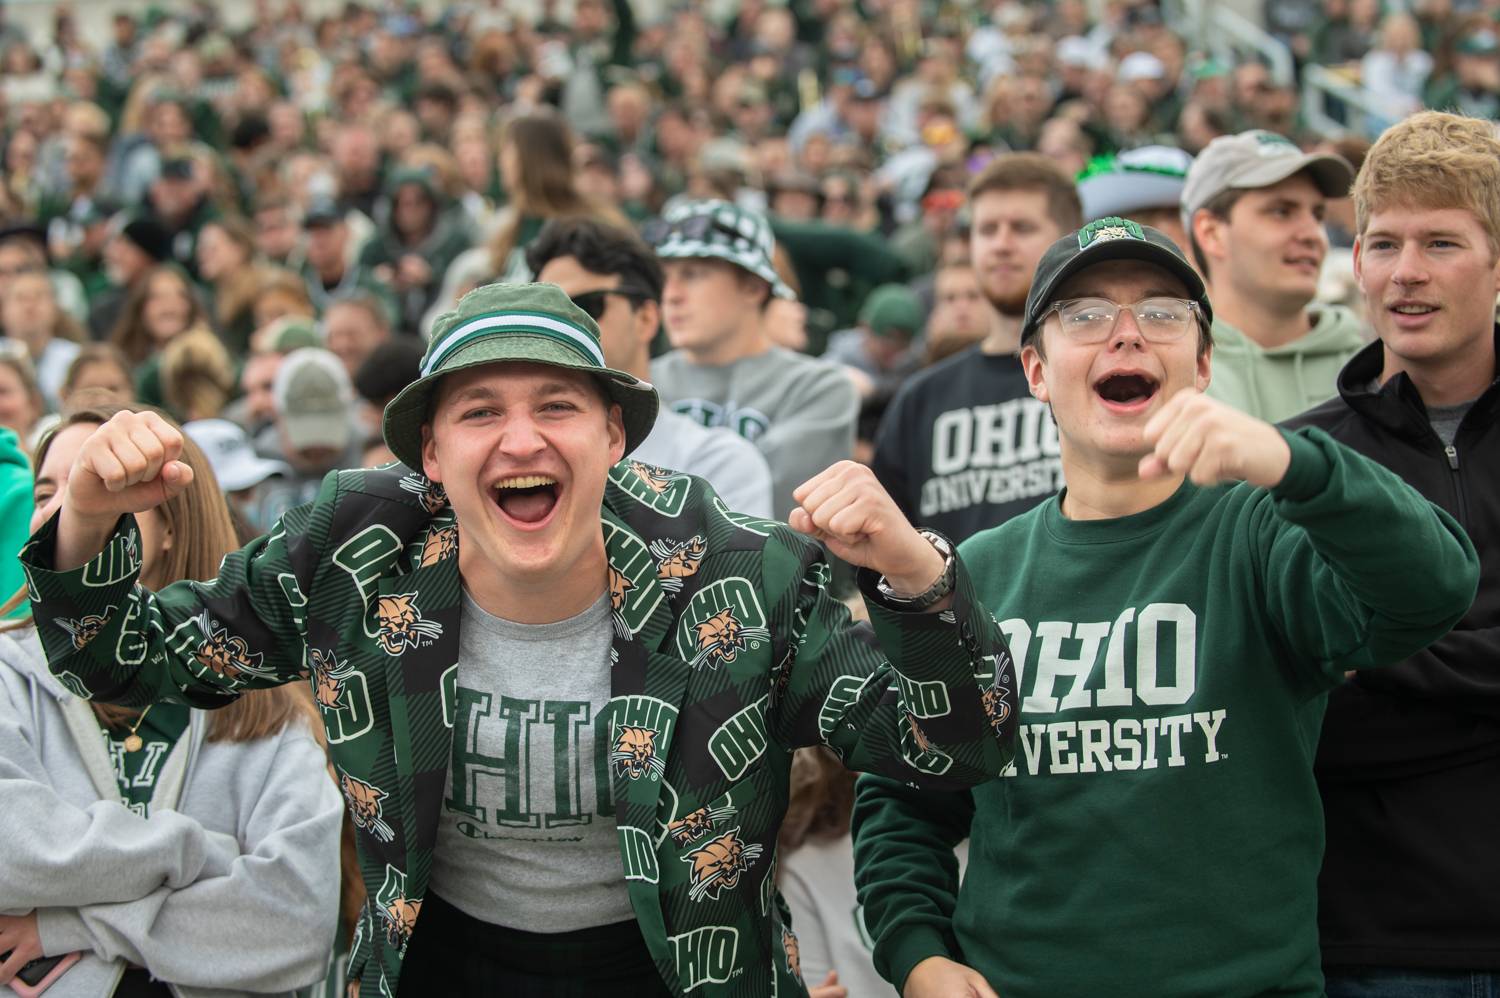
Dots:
(728, 653)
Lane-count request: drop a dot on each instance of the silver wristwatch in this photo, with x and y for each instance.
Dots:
(935, 592)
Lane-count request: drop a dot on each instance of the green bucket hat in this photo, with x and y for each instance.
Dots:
(534, 323)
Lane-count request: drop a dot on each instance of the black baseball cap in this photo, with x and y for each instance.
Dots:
(1108, 238)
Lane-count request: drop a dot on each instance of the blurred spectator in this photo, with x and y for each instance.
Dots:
(961, 316)
(964, 446)
(723, 371)
(329, 266)
(355, 324)
(315, 430)
(277, 238)
(1347, 32)
(178, 200)
(132, 249)
(392, 366)
(1144, 185)
(1473, 86)
(538, 172)
(30, 317)
(226, 252)
(816, 875)
(161, 306)
(413, 246)
(881, 348)
(23, 247)
(197, 376)
(280, 294)
(1396, 71)
(21, 403)
(99, 371)
(255, 408)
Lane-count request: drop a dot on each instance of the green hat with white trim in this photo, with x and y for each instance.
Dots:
(722, 231)
(532, 323)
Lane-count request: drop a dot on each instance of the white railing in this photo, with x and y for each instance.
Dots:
(1217, 28)
(1363, 110)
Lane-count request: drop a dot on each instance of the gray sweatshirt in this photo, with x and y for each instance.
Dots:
(799, 411)
(230, 887)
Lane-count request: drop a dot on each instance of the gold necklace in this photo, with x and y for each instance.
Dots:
(133, 741)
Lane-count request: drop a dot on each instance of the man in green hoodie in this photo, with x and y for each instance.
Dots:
(1253, 207)
(1188, 601)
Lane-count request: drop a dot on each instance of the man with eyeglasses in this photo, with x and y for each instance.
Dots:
(1190, 598)
(614, 277)
(799, 412)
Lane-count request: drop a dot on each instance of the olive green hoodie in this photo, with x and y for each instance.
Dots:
(1283, 381)
(15, 514)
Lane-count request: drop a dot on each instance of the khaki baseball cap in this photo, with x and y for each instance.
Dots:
(1256, 159)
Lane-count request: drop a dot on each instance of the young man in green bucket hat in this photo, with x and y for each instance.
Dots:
(561, 692)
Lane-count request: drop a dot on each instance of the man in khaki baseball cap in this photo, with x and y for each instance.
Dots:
(1253, 206)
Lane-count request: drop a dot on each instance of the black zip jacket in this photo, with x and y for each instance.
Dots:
(1409, 761)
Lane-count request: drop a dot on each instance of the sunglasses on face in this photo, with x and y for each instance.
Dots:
(595, 302)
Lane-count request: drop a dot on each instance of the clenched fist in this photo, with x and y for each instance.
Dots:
(846, 508)
(128, 465)
(939, 977)
(1211, 442)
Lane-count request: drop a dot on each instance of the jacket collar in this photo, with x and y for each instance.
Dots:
(1397, 406)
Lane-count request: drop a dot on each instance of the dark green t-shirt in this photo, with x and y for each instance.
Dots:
(136, 772)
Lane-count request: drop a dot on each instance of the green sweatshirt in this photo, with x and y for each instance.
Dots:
(1283, 381)
(1159, 832)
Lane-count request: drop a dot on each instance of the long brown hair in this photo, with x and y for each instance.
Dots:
(548, 182)
(821, 799)
(202, 534)
(234, 293)
(130, 333)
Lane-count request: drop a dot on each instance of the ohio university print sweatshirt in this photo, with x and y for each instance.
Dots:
(1159, 833)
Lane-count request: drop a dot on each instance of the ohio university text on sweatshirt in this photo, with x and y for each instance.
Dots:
(1159, 832)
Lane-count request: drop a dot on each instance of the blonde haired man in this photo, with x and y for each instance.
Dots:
(1409, 759)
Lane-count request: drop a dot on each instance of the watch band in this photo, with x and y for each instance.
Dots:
(935, 592)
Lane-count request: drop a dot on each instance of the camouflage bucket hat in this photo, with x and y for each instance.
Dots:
(534, 323)
(721, 231)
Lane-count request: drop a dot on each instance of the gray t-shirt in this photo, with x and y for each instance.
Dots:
(527, 835)
(800, 412)
(1445, 419)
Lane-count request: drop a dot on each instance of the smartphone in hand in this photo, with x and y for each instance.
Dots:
(38, 975)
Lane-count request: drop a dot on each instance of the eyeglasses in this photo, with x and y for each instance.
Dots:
(1092, 320)
(695, 228)
(593, 302)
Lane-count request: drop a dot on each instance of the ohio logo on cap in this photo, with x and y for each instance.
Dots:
(1108, 229)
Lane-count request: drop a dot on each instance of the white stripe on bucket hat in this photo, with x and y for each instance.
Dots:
(556, 328)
